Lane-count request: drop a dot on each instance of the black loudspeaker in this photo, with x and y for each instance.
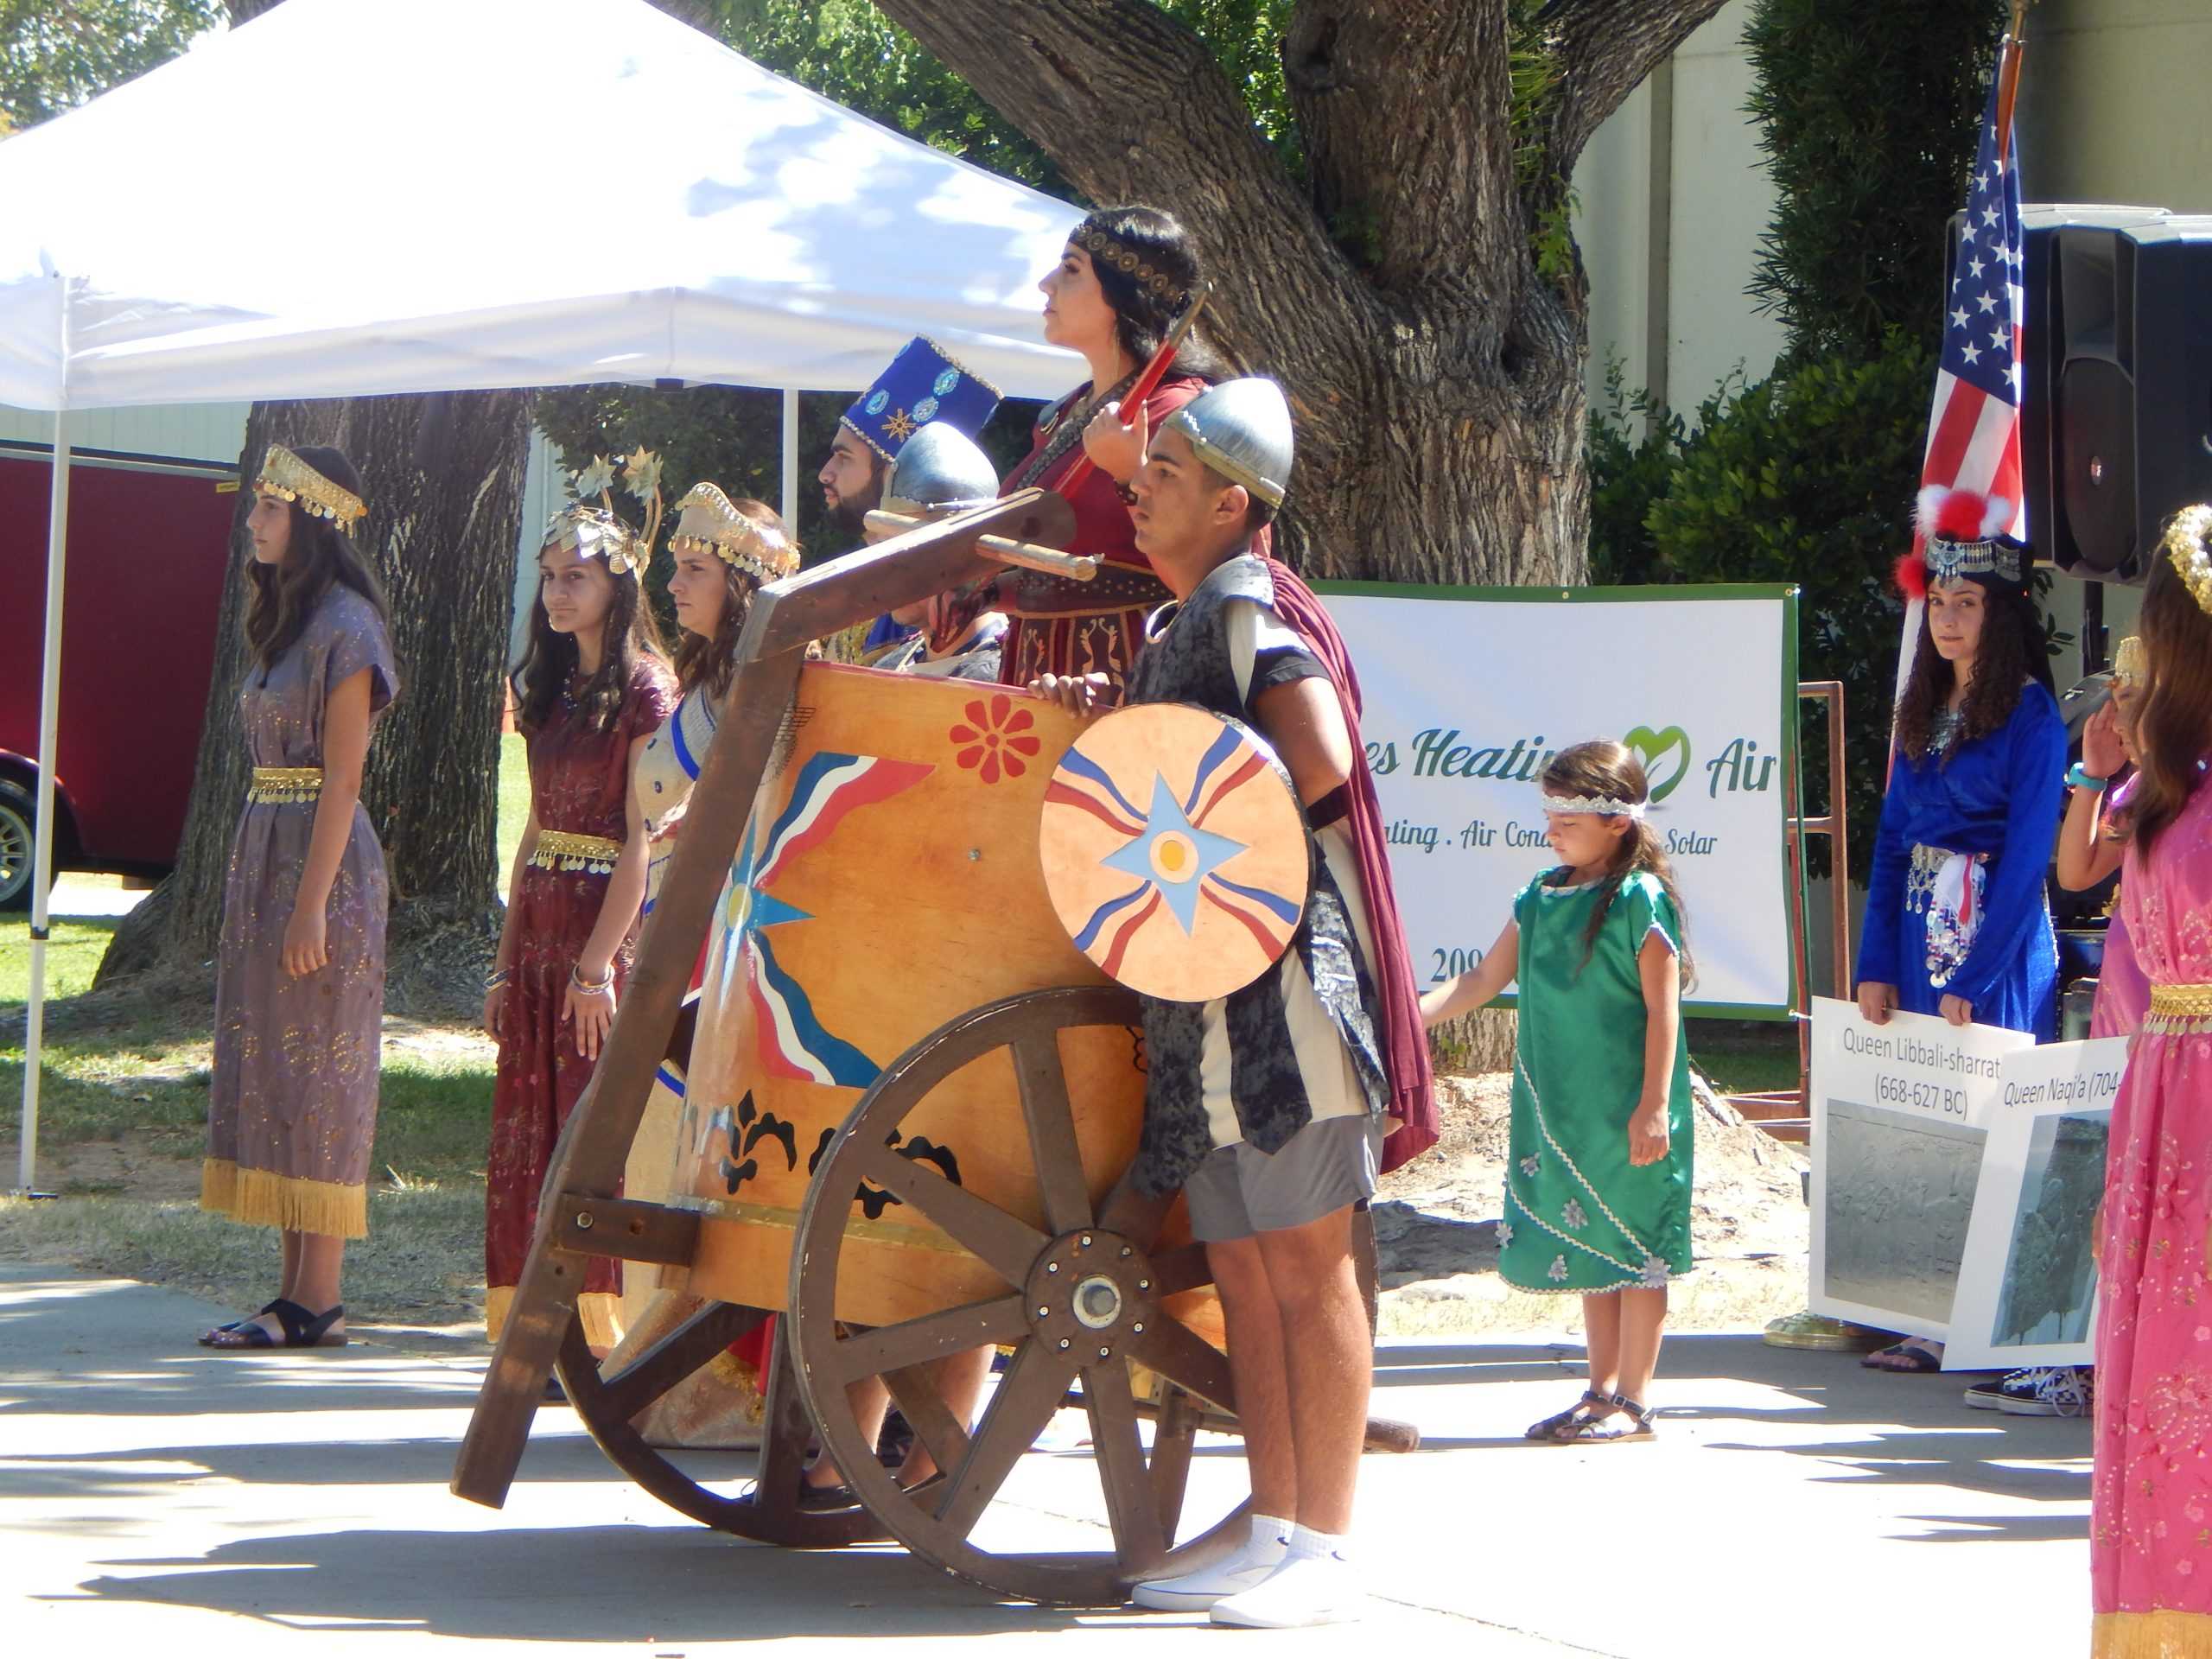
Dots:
(2116, 394)
(2126, 352)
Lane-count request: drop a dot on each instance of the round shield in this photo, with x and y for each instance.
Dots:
(1174, 851)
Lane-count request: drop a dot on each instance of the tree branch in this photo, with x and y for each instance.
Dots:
(1133, 107)
(1606, 48)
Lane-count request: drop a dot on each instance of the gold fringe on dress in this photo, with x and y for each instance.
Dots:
(284, 785)
(2162, 1633)
(262, 1197)
(601, 1310)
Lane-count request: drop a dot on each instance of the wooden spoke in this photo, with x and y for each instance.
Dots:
(677, 1355)
(942, 1434)
(1027, 1397)
(785, 1430)
(1007, 1244)
(1129, 1508)
(1180, 1355)
(1181, 1269)
(915, 1341)
(1174, 1432)
(1051, 1132)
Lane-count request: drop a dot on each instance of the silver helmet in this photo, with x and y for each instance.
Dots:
(1242, 429)
(939, 465)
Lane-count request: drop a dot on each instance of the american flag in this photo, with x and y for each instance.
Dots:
(1974, 430)
(1973, 433)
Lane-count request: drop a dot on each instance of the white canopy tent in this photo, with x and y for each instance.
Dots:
(348, 197)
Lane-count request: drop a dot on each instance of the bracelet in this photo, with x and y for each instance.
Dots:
(2077, 779)
(602, 987)
(496, 978)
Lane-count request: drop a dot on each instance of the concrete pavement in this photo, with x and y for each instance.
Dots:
(154, 1497)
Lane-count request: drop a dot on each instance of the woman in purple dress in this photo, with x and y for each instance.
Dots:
(299, 987)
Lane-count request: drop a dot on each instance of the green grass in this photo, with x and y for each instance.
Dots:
(514, 802)
(72, 956)
(1746, 1056)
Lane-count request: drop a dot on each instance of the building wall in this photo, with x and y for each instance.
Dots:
(175, 431)
(1674, 196)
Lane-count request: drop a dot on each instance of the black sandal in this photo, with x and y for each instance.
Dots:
(1552, 1426)
(207, 1337)
(301, 1329)
(1609, 1430)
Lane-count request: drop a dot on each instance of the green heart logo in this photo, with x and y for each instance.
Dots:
(1652, 748)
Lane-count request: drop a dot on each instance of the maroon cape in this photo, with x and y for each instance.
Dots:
(1398, 1024)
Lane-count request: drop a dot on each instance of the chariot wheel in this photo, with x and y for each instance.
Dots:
(762, 1504)
(1082, 1302)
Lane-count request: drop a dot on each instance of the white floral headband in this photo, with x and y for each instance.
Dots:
(1600, 806)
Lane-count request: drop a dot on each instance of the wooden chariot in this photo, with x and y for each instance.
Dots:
(910, 1107)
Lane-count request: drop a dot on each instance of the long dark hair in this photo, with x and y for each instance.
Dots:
(2173, 727)
(2010, 653)
(713, 663)
(1604, 767)
(1142, 315)
(281, 598)
(551, 660)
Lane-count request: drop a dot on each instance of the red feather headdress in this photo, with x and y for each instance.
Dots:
(1961, 535)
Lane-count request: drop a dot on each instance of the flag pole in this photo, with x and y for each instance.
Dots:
(2008, 75)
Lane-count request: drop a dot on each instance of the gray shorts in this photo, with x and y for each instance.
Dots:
(1239, 1191)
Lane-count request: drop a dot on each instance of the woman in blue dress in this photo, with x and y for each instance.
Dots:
(1957, 923)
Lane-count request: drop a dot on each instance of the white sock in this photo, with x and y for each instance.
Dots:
(1270, 1534)
(1321, 1545)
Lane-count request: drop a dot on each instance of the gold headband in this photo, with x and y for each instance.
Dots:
(288, 478)
(709, 522)
(591, 531)
(1101, 244)
(2188, 544)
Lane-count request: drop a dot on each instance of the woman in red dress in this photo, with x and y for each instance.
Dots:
(1125, 274)
(592, 689)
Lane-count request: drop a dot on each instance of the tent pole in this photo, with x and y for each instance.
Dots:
(49, 711)
(790, 461)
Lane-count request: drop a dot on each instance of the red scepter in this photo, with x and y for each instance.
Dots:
(1143, 385)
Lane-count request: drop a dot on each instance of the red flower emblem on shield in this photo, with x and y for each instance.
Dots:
(996, 738)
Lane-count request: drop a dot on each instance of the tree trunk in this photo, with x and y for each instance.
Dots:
(1433, 362)
(443, 542)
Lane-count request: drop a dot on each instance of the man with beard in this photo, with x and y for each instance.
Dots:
(922, 385)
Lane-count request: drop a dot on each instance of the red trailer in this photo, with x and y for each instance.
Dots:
(149, 548)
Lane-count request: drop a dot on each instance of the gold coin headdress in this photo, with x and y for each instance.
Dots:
(596, 530)
(708, 522)
(2187, 543)
(288, 478)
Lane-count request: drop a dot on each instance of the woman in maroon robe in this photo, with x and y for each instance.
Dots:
(591, 693)
(1124, 275)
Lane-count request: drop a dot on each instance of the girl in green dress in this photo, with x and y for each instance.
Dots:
(1597, 1188)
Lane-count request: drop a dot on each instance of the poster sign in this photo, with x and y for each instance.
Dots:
(1470, 691)
(1956, 1169)
(2027, 1291)
(1901, 1121)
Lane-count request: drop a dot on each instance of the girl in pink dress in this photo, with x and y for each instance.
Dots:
(2151, 1528)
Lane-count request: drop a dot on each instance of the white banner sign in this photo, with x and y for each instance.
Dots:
(1470, 692)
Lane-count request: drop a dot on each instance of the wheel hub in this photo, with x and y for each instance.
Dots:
(1088, 1292)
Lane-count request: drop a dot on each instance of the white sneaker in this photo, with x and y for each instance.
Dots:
(1305, 1590)
(1196, 1591)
